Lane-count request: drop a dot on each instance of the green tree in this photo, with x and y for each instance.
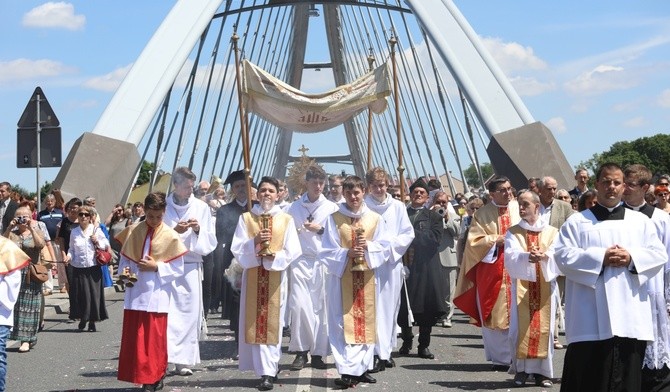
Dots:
(144, 176)
(651, 151)
(472, 177)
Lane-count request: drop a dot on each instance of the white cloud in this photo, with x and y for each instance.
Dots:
(512, 56)
(529, 86)
(635, 122)
(601, 79)
(25, 69)
(108, 82)
(85, 104)
(664, 99)
(557, 124)
(54, 15)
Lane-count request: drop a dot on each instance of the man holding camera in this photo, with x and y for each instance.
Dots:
(451, 228)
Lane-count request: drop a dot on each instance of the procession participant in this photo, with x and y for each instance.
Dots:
(656, 364)
(388, 276)
(263, 295)
(425, 286)
(451, 227)
(335, 189)
(307, 294)
(191, 219)
(530, 263)
(12, 262)
(607, 254)
(354, 246)
(226, 223)
(152, 252)
(483, 287)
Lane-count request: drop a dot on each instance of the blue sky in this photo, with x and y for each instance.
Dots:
(595, 73)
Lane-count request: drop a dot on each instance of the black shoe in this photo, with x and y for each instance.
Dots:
(148, 388)
(390, 363)
(317, 362)
(378, 365)
(158, 385)
(405, 348)
(266, 383)
(425, 353)
(300, 361)
(367, 378)
(91, 327)
(346, 381)
(520, 379)
(286, 332)
(82, 325)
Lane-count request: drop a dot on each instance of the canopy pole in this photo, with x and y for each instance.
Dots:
(371, 61)
(243, 121)
(401, 168)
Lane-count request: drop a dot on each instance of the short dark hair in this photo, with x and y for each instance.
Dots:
(315, 171)
(607, 166)
(640, 172)
(6, 184)
(155, 201)
(352, 182)
(434, 184)
(270, 180)
(74, 201)
(497, 180)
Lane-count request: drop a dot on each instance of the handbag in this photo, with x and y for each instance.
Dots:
(38, 273)
(102, 256)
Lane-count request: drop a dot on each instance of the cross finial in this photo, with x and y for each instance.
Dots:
(303, 150)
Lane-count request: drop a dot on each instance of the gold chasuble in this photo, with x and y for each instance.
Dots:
(358, 287)
(263, 291)
(164, 247)
(533, 299)
(12, 257)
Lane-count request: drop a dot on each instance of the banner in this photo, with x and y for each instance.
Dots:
(294, 110)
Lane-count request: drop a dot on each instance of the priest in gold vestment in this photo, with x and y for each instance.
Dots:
(355, 244)
(483, 288)
(264, 291)
(529, 260)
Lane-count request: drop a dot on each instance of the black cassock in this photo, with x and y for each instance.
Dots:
(426, 283)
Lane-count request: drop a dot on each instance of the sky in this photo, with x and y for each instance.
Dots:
(594, 74)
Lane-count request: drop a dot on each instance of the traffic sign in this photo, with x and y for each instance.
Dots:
(48, 118)
(50, 148)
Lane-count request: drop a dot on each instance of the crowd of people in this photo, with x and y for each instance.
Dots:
(347, 268)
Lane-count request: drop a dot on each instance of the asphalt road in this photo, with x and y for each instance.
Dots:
(65, 359)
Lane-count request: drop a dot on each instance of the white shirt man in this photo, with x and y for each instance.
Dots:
(607, 254)
(388, 276)
(191, 218)
(307, 294)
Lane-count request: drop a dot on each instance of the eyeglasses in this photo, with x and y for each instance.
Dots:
(86, 214)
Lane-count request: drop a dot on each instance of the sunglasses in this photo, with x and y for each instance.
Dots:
(662, 194)
(86, 214)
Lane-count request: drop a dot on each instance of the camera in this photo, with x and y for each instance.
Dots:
(21, 220)
(442, 211)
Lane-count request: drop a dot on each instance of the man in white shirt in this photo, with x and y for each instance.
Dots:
(307, 294)
(607, 254)
(191, 218)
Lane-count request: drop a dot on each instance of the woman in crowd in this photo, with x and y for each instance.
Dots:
(116, 223)
(65, 227)
(662, 195)
(587, 200)
(23, 231)
(86, 291)
(562, 194)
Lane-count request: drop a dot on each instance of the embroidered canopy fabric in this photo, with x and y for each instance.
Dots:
(292, 109)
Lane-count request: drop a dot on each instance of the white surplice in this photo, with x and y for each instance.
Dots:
(603, 302)
(388, 277)
(263, 358)
(186, 314)
(518, 267)
(307, 289)
(350, 359)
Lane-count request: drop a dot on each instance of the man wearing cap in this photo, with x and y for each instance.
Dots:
(483, 287)
(425, 286)
(226, 221)
(191, 219)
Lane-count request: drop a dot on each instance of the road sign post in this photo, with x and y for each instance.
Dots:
(37, 118)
